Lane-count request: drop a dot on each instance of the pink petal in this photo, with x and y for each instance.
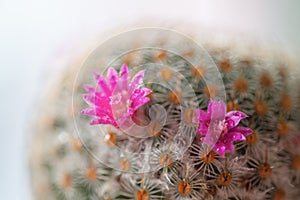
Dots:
(146, 91)
(216, 109)
(103, 121)
(203, 129)
(140, 102)
(233, 118)
(203, 116)
(243, 130)
(229, 147)
(204, 120)
(137, 80)
(88, 111)
(220, 149)
(102, 83)
(234, 136)
(112, 76)
(95, 100)
(96, 112)
(89, 99)
(89, 88)
(124, 76)
(139, 93)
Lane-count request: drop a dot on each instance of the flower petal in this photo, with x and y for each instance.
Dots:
(220, 148)
(137, 80)
(146, 91)
(95, 100)
(140, 102)
(112, 76)
(96, 112)
(88, 88)
(102, 83)
(243, 130)
(103, 121)
(204, 120)
(123, 77)
(216, 109)
(233, 118)
(235, 136)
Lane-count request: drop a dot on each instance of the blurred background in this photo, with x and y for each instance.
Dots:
(39, 36)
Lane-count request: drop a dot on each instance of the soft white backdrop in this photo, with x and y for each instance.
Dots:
(35, 34)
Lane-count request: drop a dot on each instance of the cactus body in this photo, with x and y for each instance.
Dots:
(166, 158)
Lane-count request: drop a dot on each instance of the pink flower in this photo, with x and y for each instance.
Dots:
(220, 129)
(116, 98)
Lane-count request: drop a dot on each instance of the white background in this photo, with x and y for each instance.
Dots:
(34, 34)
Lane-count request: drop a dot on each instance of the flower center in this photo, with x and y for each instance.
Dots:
(110, 139)
(264, 170)
(224, 179)
(225, 66)
(161, 56)
(91, 173)
(189, 115)
(76, 144)
(260, 107)
(198, 72)
(184, 188)
(66, 181)
(282, 127)
(241, 85)
(166, 73)
(175, 97)
(266, 80)
(124, 164)
(166, 160)
(141, 195)
(208, 157)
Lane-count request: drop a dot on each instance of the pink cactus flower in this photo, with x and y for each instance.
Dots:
(116, 98)
(220, 129)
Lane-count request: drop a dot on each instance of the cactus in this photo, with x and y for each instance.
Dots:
(159, 146)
